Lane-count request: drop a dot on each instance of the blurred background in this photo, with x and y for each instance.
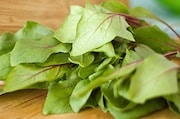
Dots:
(168, 10)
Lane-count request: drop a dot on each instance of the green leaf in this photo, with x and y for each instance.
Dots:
(57, 101)
(148, 36)
(115, 6)
(117, 101)
(2, 91)
(95, 7)
(22, 76)
(101, 101)
(96, 74)
(138, 111)
(78, 101)
(56, 59)
(173, 102)
(33, 31)
(40, 50)
(33, 40)
(143, 51)
(104, 63)
(83, 60)
(120, 46)
(5, 66)
(107, 49)
(131, 56)
(109, 74)
(39, 85)
(67, 32)
(7, 42)
(96, 29)
(158, 79)
(91, 102)
(85, 72)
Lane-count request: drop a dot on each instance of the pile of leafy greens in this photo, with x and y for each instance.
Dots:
(102, 55)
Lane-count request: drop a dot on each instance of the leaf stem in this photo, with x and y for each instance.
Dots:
(136, 21)
(165, 23)
(170, 53)
(130, 19)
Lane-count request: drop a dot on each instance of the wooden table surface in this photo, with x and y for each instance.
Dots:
(27, 104)
(51, 13)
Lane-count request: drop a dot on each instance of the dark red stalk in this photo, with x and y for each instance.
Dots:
(135, 21)
(169, 27)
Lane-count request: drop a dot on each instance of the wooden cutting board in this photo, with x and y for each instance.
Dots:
(28, 104)
(51, 13)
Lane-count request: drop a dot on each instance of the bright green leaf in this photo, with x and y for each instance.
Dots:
(96, 74)
(148, 36)
(56, 59)
(104, 63)
(96, 29)
(138, 111)
(39, 49)
(78, 101)
(131, 56)
(22, 76)
(173, 102)
(101, 101)
(33, 31)
(117, 101)
(115, 6)
(67, 32)
(7, 42)
(161, 81)
(57, 101)
(107, 49)
(83, 60)
(2, 91)
(109, 74)
(91, 102)
(5, 66)
(143, 51)
(85, 72)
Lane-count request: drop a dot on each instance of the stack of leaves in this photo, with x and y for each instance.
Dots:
(102, 55)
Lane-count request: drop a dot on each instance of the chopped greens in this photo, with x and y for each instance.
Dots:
(103, 55)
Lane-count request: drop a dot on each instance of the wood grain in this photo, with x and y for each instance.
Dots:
(28, 104)
(51, 13)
